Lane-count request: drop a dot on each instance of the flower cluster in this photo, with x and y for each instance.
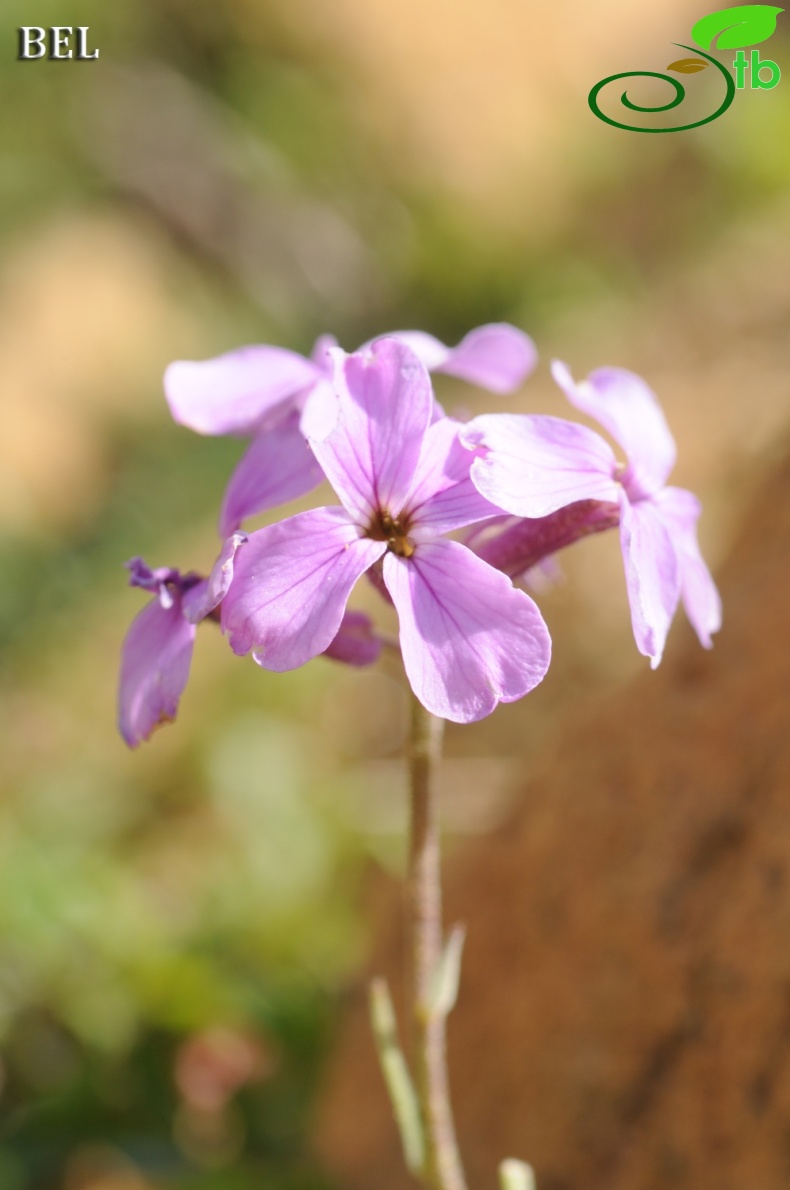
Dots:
(406, 476)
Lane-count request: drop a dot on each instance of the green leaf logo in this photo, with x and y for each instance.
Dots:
(746, 24)
(688, 65)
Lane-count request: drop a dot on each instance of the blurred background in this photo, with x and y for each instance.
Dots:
(177, 924)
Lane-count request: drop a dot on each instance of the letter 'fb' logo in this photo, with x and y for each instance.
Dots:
(730, 29)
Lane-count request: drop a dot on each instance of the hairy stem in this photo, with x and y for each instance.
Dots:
(442, 1164)
(516, 546)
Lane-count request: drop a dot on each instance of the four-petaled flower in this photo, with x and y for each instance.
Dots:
(406, 476)
(280, 398)
(532, 466)
(469, 639)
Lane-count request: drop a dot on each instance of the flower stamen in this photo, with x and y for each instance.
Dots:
(385, 527)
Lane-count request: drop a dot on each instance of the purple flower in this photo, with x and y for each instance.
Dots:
(469, 639)
(157, 651)
(533, 466)
(280, 398)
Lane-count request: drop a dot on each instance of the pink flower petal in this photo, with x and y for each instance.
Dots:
(320, 353)
(198, 601)
(430, 351)
(469, 639)
(443, 496)
(624, 405)
(155, 661)
(680, 511)
(319, 414)
(497, 356)
(356, 642)
(277, 466)
(291, 584)
(531, 466)
(235, 392)
(652, 575)
(385, 401)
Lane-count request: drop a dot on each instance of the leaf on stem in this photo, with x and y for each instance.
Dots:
(396, 1075)
(446, 977)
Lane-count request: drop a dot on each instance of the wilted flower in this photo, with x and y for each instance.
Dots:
(157, 650)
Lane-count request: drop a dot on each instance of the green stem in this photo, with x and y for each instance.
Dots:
(397, 1076)
(442, 1164)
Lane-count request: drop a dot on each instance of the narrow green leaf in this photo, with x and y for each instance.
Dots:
(688, 65)
(745, 24)
(396, 1075)
(516, 1175)
(446, 977)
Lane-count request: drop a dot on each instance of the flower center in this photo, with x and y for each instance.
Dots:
(385, 527)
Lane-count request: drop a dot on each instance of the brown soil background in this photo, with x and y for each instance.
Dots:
(624, 1017)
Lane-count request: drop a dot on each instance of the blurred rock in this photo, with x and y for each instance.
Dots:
(624, 1018)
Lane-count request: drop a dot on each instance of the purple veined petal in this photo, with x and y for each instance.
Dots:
(291, 584)
(443, 496)
(384, 407)
(652, 575)
(429, 350)
(437, 411)
(469, 639)
(320, 353)
(485, 531)
(496, 356)
(234, 393)
(680, 512)
(277, 466)
(624, 405)
(319, 412)
(155, 661)
(201, 599)
(531, 466)
(356, 642)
